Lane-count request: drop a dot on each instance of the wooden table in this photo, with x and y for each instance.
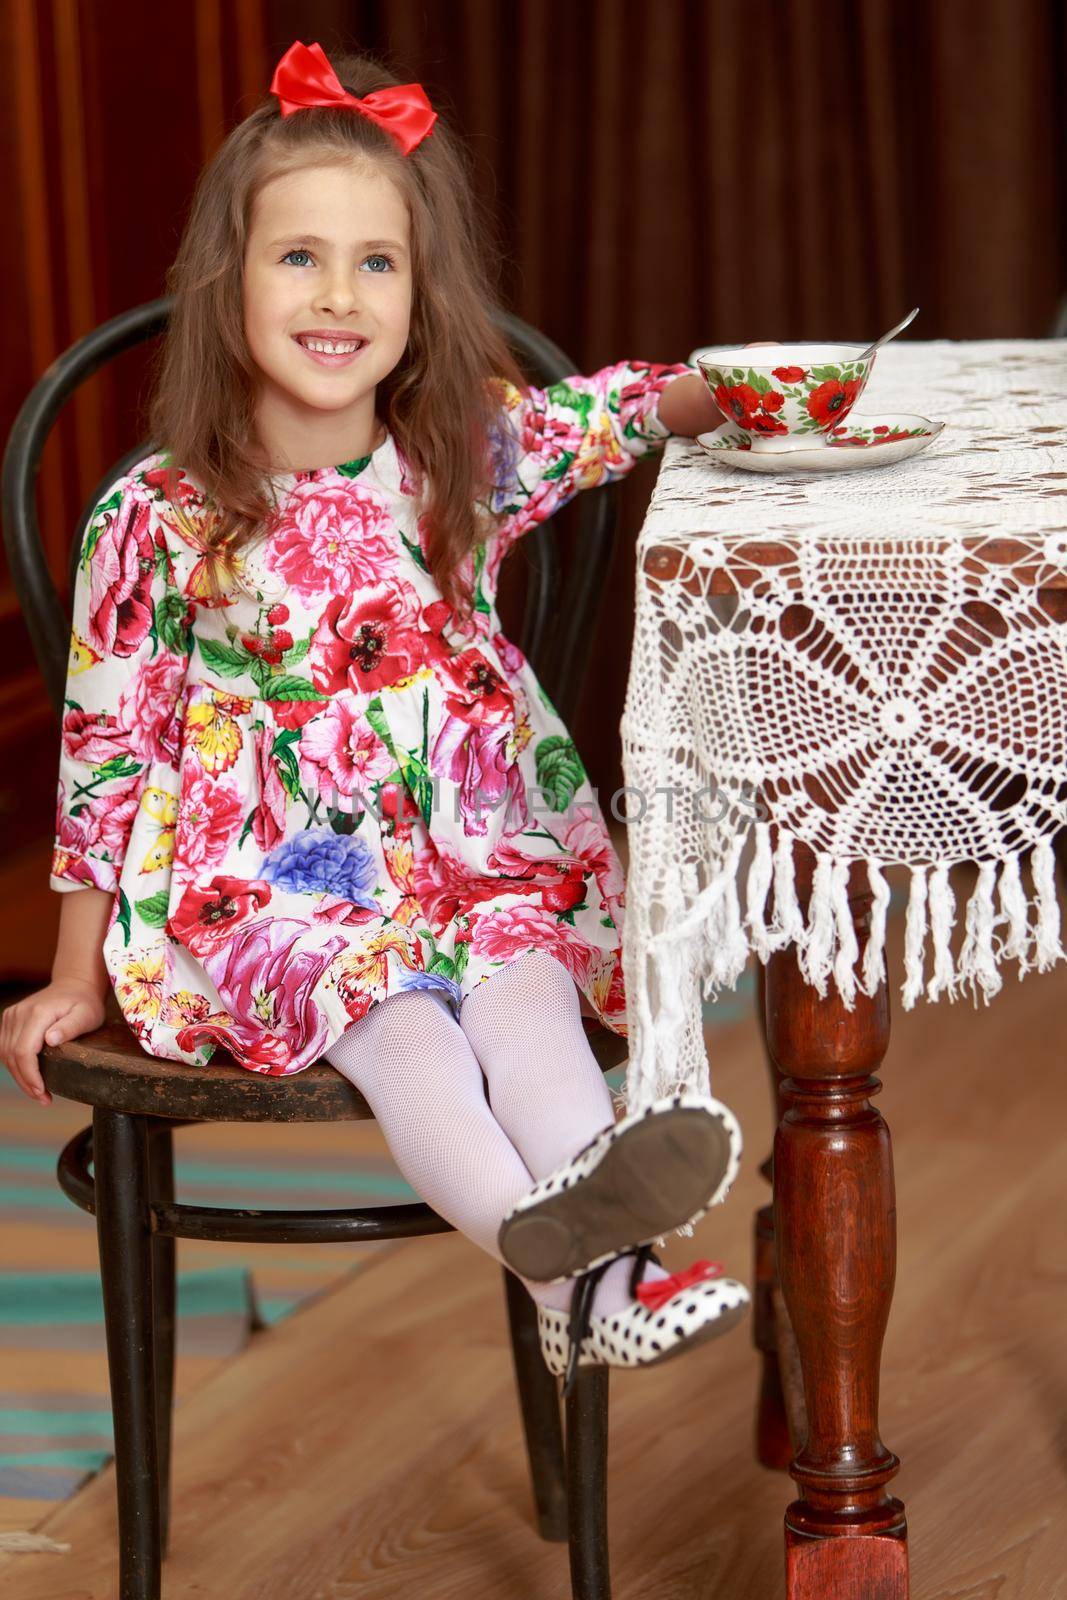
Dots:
(825, 1247)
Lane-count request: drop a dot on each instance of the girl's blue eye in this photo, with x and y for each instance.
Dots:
(378, 256)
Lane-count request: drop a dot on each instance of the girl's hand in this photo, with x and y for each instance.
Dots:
(686, 406)
(66, 1008)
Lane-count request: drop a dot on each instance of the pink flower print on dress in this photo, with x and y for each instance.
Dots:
(560, 882)
(75, 837)
(117, 810)
(120, 581)
(509, 653)
(157, 684)
(266, 975)
(446, 889)
(443, 885)
(210, 815)
(332, 541)
(588, 838)
(370, 640)
(634, 397)
(501, 935)
(94, 737)
(409, 482)
(74, 833)
(331, 908)
(268, 819)
(472, 747)
(542, 434)
(476, 760)
(342, 753)
(511, 861)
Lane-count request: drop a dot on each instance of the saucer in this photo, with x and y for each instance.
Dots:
(874, 441)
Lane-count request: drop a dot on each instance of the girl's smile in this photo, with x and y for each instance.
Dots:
(331, 349)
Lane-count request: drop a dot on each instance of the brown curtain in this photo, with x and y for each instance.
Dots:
(680, 172)
(663, 175)
(106, 113)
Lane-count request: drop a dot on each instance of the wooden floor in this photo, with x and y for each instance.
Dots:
(369, 1445)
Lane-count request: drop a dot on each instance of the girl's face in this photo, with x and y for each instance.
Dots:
(327, 257)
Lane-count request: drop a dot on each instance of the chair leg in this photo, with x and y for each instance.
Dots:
(587, 1484)
(539, 1402)
(120, 1175)
(164, 1295)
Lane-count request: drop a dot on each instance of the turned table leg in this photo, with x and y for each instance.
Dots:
(835, 1248)
(774, 1445)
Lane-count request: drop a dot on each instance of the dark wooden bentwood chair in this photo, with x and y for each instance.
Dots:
(121, 1168)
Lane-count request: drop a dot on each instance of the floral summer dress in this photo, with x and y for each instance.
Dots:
(320, 791)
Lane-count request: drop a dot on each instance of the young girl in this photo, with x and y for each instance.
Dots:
(312, 801)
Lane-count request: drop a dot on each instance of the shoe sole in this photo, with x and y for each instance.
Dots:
(656, 1176)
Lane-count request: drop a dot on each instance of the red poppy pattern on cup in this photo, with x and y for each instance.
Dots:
(791, 401)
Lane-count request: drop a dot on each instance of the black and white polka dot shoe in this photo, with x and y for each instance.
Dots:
(651, 1172)
(666, 1319)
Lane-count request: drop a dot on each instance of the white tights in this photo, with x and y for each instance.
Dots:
(424, 1076)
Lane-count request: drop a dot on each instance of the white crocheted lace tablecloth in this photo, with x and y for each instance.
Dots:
(871, 662)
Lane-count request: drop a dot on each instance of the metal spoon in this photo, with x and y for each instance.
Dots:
(890, 335)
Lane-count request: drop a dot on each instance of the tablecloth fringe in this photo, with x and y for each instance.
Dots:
(706, 947)
(1001, 922)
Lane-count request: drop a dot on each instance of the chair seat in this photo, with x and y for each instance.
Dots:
(108, 1068)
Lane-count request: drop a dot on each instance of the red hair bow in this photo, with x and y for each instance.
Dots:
(304, 78)
(654, 1295)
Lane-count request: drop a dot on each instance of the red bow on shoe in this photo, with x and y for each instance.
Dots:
(654, 1295)
(304, 78)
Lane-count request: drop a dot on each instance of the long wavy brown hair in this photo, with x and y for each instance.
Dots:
(438, 402)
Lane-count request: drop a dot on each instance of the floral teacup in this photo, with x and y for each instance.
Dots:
(790, 395)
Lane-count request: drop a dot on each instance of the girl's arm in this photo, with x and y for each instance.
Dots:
(130, 647)
(576, 434)
(586, 431)
(79, 958)
(130, 644)
(73, 1003)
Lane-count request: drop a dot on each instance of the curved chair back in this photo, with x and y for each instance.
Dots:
(557, 628)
